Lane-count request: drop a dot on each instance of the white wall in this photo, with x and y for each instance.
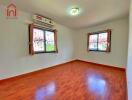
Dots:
(119, 44)
(14, 57)
(129, 66)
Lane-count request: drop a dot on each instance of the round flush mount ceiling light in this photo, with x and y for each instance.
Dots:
(74, 11)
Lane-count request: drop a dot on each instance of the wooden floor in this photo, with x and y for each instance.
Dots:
(72, 81)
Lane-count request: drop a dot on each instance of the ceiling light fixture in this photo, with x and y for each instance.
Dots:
(75, 11)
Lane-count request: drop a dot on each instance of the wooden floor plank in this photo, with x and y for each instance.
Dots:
(71, 81)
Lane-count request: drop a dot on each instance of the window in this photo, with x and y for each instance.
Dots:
(99, 41)
(42, 40)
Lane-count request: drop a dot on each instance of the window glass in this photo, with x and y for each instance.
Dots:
(102, 41)
(50, 41)
(93, 46)
(93, 38)
(38, 40)
(99, 41)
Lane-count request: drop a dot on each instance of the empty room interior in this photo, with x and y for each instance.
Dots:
(65, 50)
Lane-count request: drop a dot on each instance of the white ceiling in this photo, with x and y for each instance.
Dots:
(93, 11)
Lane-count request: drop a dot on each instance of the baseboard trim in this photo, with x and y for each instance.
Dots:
(115, 67)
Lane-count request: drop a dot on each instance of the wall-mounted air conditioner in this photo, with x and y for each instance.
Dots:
(43, 21)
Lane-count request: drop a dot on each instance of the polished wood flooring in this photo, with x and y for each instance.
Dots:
(76, 80)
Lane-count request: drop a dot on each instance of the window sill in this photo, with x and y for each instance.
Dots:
(46, 52)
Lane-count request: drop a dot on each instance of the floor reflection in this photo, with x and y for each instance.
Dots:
(96, 84)
(45, 92)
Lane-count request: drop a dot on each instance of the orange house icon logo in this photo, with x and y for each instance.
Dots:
(11, 11)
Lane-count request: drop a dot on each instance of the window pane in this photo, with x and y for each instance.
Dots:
(38, 40)
(102, 46)
(93, 38)
(102, 42)
(50, 41)
(92, 46)
(103, 37)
